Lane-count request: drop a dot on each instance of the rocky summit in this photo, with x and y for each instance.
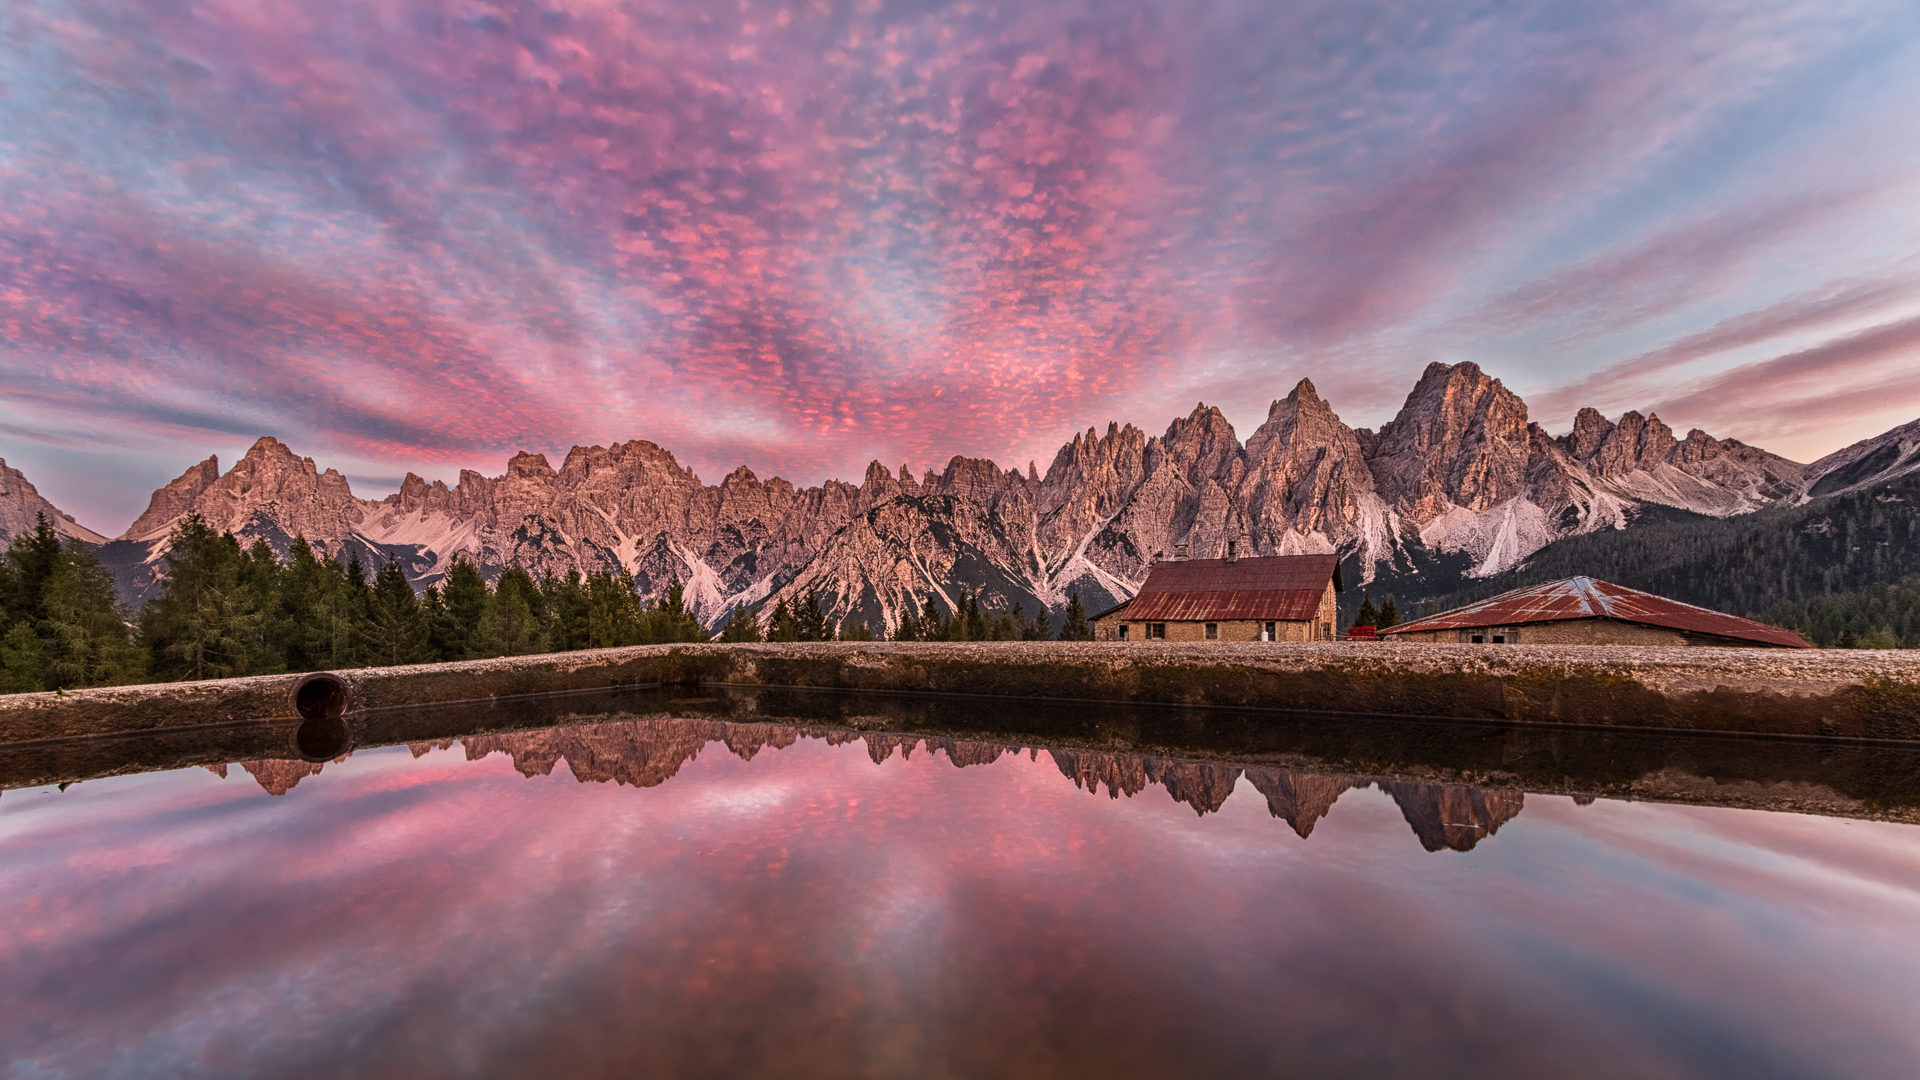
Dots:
(1459, 471)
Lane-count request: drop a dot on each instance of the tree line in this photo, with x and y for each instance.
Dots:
(804, 619)
(224, 611)
(1784, 558)
(1883, 617)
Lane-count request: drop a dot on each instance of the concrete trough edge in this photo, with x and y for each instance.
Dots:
(1821, 694)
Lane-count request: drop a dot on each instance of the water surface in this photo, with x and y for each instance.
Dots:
(693, 897)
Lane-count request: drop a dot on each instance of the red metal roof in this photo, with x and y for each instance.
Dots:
(1590, 598)
(1279, 587)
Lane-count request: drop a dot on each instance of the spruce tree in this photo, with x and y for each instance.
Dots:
(1076, 627)
(1389, 615)
(60, 623)
(315, 624)
(614, 614)
(85, 636)
(671, 621)
(783, 626)
(394, 631)
(908, 628)
(855, 630)
(203, 624)
(741, 626)
(810, 619)
(933, 625)
(567, 611)
(465, 596)
(1368, 616)
(23, 664)
(514, 624)
(29, 565)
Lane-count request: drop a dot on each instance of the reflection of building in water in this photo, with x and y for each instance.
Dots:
(648, 753)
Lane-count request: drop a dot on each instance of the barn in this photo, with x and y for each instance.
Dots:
(1588, 611)
(1270, 598)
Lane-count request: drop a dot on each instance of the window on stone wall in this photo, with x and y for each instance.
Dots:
(1269, 633)
(1213, 631)
(1157, 630)
(1123, 631)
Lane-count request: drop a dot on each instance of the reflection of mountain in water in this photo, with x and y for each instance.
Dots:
(647, 753)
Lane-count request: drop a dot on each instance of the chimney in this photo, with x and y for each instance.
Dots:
(1233, 550)
(1179, 553)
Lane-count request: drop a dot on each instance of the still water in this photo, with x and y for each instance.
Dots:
(690, 897)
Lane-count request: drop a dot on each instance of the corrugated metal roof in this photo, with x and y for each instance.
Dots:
(1590, 598)
(1279, 587)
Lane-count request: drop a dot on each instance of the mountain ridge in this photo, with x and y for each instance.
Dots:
(1459, 474)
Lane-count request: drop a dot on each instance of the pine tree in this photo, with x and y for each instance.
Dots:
(23, 664)
(855, 630)
(1076, 628)
(908, 628)
(313, 629)
(1389, 615)
(567, 611)
(465, 597)
(394, 631)
(203, 624)
(671, 621)
(742, 626)
(1368, 616)
(783, 626)
(85, 636)
(514, 624)
(60, 624)
(29, 565)
(614, 614)
(933, 626)
(810, 619)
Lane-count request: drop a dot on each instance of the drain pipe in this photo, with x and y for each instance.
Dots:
(321, 699)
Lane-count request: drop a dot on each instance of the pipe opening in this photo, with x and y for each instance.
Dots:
(323, 738)
(320, 695)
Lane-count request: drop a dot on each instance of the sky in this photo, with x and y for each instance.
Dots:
(425, 234)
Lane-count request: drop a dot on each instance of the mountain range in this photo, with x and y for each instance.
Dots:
(1459, 483)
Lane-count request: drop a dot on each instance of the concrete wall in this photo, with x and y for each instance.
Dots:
(1813, 692)
(1296, 630)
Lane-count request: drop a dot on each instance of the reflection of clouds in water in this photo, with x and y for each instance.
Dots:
(420, 912)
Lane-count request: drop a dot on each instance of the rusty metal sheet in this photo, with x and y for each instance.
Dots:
(1591, 598)
(1279, 587)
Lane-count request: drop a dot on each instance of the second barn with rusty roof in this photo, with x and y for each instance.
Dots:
(1588, 611)
(1270, 598)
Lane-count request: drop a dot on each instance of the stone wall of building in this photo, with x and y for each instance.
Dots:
(1325, 620)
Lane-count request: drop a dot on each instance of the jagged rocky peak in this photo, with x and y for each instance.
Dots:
(1459, 440)
(1307, 473)
(172, 502)
(303, 500)
(21, 506)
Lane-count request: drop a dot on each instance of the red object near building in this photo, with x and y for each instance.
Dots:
(1363, 633)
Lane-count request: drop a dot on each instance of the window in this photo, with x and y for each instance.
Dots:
(1326, 631)
(1499, 639)
(1213, 631)
(1479, 639)
(1267, 634)
(1123, 631)
(1157, 630)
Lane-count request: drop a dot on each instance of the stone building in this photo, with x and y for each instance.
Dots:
(1272, 598)
(1587, 611)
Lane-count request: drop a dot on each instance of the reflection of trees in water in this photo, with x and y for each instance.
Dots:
(647, 753)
